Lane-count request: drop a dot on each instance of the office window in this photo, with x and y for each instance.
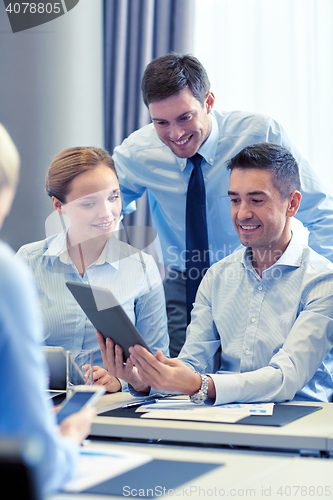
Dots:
(274, 57)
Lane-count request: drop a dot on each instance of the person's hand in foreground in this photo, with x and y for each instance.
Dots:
(113, 360)
(168, 374)
(78, 424)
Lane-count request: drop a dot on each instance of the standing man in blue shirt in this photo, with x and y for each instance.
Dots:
(268, 306)
(177, 92)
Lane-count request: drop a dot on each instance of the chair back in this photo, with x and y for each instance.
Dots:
(19, 463)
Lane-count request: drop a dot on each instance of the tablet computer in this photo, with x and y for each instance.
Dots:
(107, 315)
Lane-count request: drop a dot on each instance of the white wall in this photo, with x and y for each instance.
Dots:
(274, 57)
(51, 98)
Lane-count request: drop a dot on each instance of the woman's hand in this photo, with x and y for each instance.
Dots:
(102, 377)
(113, 360)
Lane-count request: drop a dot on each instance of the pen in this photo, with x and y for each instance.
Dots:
(149, 399)
(100, 454)
(139, 403)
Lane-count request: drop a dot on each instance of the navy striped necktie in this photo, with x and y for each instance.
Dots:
(197, 254)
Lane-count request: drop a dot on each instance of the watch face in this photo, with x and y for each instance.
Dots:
(200, 398)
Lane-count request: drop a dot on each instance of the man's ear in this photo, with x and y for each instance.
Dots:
(57, 205)
(294, 200)
(209, 102)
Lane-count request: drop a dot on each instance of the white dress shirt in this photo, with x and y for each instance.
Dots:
(275, 332)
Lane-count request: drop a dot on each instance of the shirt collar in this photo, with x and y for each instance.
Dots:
(57, 248)
(112, 252)
(292, 256)
(208, 148)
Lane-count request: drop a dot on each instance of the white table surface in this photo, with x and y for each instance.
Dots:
(243, 475)
(312, 432)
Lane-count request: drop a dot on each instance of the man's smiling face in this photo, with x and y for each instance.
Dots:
(181, 122)
(257, 210)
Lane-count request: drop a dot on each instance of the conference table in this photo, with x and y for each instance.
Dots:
(244, 461)
(312, 432)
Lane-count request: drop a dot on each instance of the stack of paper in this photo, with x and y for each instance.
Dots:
(185, 410)
(98, 464)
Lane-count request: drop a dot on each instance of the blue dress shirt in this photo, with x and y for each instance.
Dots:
(132, 277)
(23, 374)
(275, 332)
(143, 162)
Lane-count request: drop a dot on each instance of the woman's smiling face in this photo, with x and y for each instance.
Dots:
(93, 204)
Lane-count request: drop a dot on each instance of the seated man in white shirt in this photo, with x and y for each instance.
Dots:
(262, 324)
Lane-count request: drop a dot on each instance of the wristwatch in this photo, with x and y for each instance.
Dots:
(202, 395)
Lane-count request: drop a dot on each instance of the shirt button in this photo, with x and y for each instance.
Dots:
(211, 160)
(87, 282)
(182, 164)
(259, 287)
(253, 320)
(247, 351)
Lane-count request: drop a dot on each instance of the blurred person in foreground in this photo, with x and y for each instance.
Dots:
(25, 412)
